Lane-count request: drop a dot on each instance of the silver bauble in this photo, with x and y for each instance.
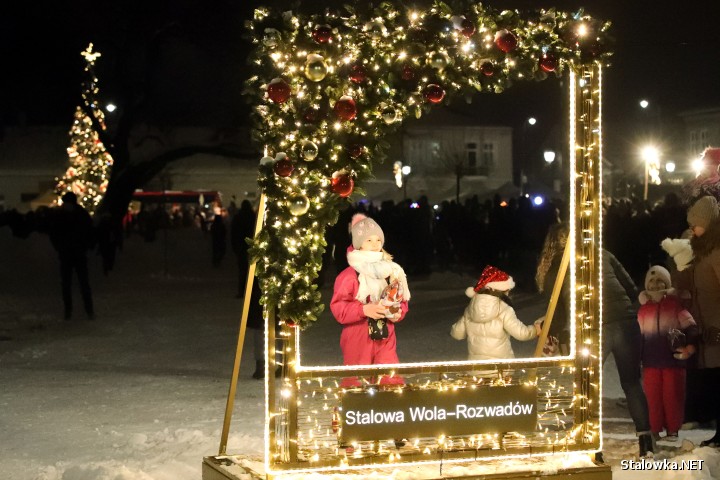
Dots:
(439, 60)
(309, 151)
(389, 115)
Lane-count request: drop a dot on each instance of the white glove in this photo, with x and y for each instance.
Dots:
(680, 251)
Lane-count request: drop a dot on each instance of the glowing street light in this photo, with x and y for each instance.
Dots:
(549, 156)
(111, 107)
(644, 104)
(651, 156)
(670, 167)
(532, 120)
(697, 165)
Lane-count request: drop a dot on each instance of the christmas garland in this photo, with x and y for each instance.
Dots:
(327, 88)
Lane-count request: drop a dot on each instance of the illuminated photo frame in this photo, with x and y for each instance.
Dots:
(309, 412)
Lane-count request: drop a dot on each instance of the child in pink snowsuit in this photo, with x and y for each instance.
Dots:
(357, 298)
(663, 359)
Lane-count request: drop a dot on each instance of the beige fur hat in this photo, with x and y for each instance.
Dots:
(703, 212)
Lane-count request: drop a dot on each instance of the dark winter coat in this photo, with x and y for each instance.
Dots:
(71, 230)
(618, 290)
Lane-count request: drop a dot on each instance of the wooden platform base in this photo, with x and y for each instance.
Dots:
(243, 468)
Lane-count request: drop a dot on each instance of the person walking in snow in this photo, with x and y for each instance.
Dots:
(358, 303)
(668, 333)
(72, 234)
(489, 319)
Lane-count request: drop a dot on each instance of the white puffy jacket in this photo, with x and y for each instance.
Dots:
(487, 324)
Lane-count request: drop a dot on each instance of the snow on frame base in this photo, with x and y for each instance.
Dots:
(577, 467)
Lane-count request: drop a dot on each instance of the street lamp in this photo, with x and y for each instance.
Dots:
(110, 107)
(670, 167)
(644, 104)
(651, 157)
(549, 156)
(406, 169)
(525, 153)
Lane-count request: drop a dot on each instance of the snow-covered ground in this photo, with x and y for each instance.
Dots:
(139, 394)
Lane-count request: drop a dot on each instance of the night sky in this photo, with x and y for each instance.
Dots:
(666, 51)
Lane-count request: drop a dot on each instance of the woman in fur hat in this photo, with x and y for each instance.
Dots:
(358, 303)
(702, 280)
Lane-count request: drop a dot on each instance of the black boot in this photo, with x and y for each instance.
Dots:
(259, 370)
(645, 440)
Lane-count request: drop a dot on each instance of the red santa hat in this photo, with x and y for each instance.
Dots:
(494, 278)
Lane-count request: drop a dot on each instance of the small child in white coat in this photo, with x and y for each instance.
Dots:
(489, 320)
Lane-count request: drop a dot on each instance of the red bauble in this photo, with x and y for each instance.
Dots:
(467, 28)
(311, 115)
(548, 63)
(487, 69)
(355, 150)
(408, 73)
(506, 40)
(278, 90)
(283, 167)
(358, 73)
(345, 108)
(434, 93)
(342, 184)
(322, 33)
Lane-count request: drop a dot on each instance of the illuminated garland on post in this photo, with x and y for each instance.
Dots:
(328, 88)
(90, 163)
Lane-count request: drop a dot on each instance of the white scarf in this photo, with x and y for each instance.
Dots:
(373, 268)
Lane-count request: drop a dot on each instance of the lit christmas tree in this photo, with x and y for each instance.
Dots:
(90, 164)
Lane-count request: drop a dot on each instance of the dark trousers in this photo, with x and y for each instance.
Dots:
(77, 262)
(623, 340)
(243, 266)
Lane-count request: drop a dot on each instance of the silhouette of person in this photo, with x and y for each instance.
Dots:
(72, 234)
(242, 227)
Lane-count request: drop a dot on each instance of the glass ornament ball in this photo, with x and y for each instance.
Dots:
(311, 115)
(322, 34)
(505, 40)
(278, 90)
(434, 93)
(309, 151)
(408, 73)
(548, 63)
(467, 28)
(358, 73)
(298, 205)
(487, 69)
(355, 150)
(439, 60)
(345, 108)
(389, 115)
(315, 68)
(271, 38)
(342, 184)
(283, 167)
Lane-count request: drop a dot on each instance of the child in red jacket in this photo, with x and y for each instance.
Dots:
(358, 303)
(668, 331)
